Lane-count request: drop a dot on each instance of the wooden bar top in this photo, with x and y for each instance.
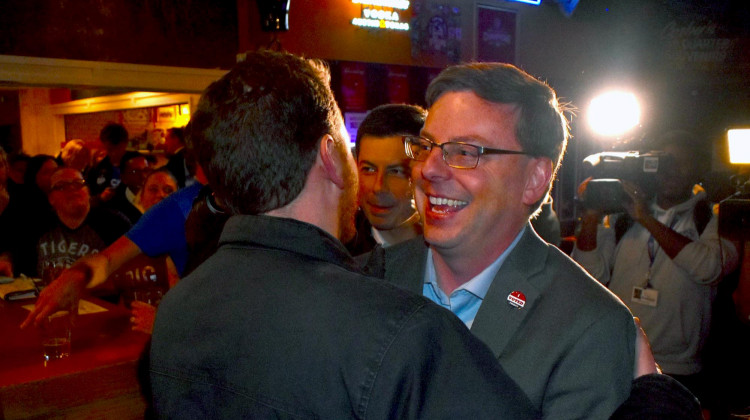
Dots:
(98, 380)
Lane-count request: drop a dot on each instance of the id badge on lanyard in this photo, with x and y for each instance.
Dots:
(645, 294)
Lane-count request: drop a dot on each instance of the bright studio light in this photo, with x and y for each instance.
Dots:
(613, 113)
(739, 145)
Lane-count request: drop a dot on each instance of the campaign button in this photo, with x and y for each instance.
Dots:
(517, 299)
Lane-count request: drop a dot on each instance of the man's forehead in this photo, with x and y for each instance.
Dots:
(464, 115)
(65, 174)
(381, 148)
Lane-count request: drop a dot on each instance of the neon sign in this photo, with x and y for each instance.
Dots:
(534, 2)
(379, 18)
(393, 4)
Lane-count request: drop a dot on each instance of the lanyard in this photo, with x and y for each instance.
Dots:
(652, 251)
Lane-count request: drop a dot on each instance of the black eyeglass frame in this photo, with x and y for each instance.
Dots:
(68, 186)
(481, 150)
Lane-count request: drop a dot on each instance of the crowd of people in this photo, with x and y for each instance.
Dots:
(68, 208)
(403, 279)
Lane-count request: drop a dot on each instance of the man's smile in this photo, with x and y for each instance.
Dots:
(445, 205)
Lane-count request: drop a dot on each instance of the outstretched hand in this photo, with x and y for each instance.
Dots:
(62, 294)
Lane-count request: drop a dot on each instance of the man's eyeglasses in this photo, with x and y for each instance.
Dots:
(456, 154)
(69, 186)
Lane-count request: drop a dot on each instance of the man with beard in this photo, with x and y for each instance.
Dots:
(279, 322)
(79, 231)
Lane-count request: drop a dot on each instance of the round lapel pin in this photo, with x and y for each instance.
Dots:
(516, 299)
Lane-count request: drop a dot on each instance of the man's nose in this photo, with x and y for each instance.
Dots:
(435, 166)
(381, 182)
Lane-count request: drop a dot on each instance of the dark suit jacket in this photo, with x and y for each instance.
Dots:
(176, 165)
(280, 323)
(120, 203)
(571, 347)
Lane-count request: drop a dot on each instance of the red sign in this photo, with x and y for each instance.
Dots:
(398, 84)
(354, 86)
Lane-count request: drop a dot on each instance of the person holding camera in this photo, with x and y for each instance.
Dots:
(663, 257)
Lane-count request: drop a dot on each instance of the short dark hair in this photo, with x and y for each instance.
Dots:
(159, 170)
(689, 142)
(113, 133)
(256, 130)
(542, 128)
(391, 120)
(178, 132)
(130, 155)
(683, 138)
(35, 165)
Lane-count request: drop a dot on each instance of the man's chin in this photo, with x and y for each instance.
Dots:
(79, 211)
(438, 237)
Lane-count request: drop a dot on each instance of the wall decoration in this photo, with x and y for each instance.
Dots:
(496, 34)
(436, 29)
(354, 86)
(166, 114)
(398, 84)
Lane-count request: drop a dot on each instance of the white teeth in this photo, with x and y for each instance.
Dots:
(441, 201)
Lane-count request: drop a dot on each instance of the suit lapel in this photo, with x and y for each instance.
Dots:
(405, 264)
(497, 321)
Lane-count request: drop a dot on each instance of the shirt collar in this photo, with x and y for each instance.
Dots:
(478, 285)
(287, 234)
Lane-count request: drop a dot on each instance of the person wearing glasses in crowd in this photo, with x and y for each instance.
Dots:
(483, 164)
(79, 229)
(386, 213)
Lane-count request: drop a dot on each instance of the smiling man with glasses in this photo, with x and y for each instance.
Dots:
(483, 164)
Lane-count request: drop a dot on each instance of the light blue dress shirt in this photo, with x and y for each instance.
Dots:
(464, 302)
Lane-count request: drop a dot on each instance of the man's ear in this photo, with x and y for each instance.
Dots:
(537, 182)
(333, 160)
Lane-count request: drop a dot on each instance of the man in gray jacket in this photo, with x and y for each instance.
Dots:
(484, 162)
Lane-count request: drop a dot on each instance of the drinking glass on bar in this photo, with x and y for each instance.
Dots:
(56, 336)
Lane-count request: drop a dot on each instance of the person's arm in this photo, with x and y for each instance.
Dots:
(645, 364)
(669, 240)
(6, 264)
(594, 377)
(87, 272)
(586, 239)
(704, 259)
(654, 395)
(595, 247)
(741, 295)
(4, 198)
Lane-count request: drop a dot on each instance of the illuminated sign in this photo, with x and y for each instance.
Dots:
(379, 18)
(534, 2)
(394, 4)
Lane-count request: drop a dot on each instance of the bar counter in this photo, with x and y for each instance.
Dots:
(98, 380)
